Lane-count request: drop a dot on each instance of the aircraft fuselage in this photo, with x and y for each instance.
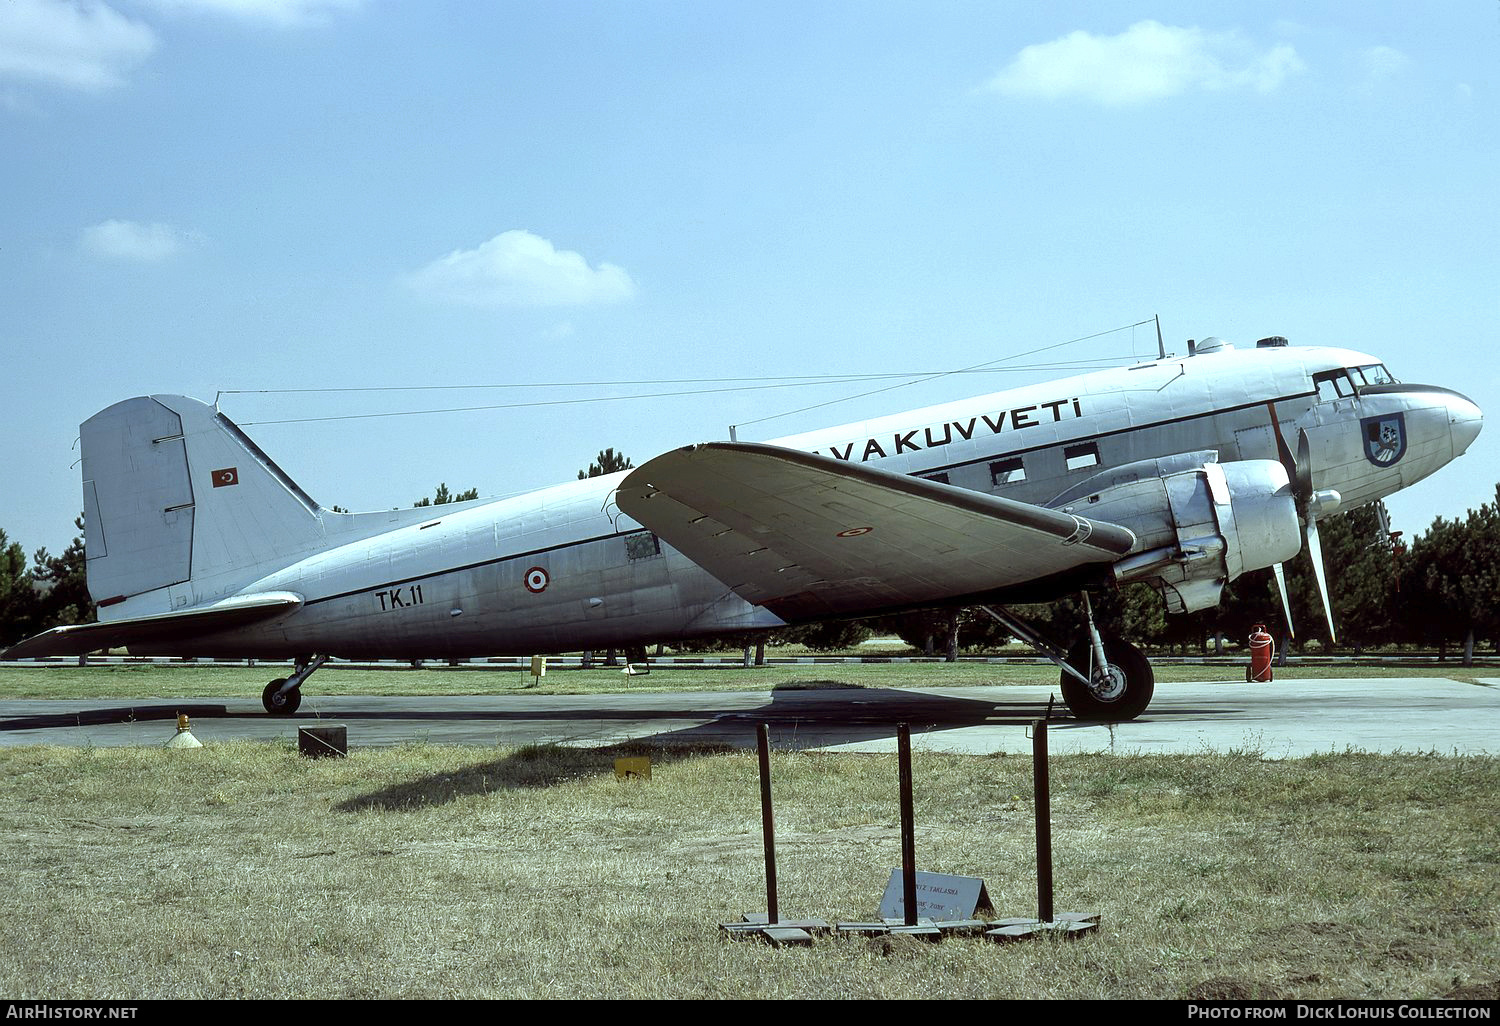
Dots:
(563, 569)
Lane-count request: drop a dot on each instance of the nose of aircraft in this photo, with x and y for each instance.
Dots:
(1464, 421)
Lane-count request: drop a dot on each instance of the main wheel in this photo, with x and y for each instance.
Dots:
(1121, 689)
(278, 702)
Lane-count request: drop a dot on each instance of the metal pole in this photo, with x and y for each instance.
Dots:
(908, 832)
(1043, 820)
(768, 826)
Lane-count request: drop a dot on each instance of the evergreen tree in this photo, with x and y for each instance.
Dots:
(609, 462)
(18, 598)
(442, 497)
(63, 584)
(828, 636)
(1450, 580)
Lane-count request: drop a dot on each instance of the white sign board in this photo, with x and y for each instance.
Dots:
(940, 897)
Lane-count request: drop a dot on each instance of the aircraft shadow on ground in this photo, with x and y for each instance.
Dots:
(532, 766)
(797, 717)
(117, 714)
(794, 721)
(873, 711)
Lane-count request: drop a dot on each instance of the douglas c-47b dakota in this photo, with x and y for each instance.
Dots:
(1183, 472)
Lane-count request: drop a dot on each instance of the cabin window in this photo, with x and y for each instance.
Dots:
(1081, 457)
(642, 545)
(1004, 472)
(940, 477)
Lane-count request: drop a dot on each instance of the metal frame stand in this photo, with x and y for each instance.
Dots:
(910, 925)
(1069, 924)
(769, 926)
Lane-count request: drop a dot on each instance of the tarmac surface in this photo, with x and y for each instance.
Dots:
(1278, 720)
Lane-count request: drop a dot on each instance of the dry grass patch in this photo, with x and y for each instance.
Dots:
(424, 871)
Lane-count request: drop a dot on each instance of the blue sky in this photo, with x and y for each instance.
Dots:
(205, 196)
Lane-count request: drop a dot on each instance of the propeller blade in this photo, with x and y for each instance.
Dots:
(1302, 478)
(1315, 553)
(1283, 451)
(1286, 607)
(1310, 505)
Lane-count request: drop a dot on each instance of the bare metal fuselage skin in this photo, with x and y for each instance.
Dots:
(563, 569)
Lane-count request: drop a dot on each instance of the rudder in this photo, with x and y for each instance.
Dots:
(181, 505)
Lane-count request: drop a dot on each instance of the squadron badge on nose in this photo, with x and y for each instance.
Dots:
(1384, 438)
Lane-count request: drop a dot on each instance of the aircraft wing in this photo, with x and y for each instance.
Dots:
(239, 611)
(808, 536)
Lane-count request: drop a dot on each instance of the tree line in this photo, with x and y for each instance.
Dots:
(49, 592)
(1438, 592)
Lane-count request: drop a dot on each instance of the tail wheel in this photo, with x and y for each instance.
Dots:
(1120, 690)
(278, 702)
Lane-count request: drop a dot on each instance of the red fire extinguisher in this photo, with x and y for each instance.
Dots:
(1261, 651)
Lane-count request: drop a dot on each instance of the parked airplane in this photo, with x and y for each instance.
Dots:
(1179, 472)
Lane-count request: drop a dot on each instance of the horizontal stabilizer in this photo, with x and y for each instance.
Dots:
(808, 536)
(146, 631)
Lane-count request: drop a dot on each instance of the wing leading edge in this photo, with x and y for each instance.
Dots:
(807, 536)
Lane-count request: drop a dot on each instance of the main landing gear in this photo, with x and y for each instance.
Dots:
(284, 694)
(1103, 677)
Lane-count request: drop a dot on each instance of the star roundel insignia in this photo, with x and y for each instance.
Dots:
(854, 532)
(537, 580)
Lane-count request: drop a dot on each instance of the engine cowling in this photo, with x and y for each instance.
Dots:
(1199, 523)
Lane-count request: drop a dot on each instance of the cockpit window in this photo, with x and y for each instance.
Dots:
(1372, 374)
(1333, 385)
(1346, 382)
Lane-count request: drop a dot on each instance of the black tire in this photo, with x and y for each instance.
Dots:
(1131, 676)
(279, 703)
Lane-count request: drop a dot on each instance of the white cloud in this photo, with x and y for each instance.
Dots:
(1148, 61)
(517, 268)
(1382, 62)
(134, 242)
(81, 44)
(277, 12)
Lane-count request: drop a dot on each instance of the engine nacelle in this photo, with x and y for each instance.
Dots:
(1199, 523)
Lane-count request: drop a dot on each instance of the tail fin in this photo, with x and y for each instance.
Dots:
(179, 504)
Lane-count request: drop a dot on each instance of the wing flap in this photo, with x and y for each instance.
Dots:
(240, 611)
(810, 536)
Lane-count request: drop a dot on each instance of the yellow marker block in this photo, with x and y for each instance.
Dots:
(633, 766)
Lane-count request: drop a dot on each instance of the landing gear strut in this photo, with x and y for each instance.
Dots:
(1103, 677)
(284, 694)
